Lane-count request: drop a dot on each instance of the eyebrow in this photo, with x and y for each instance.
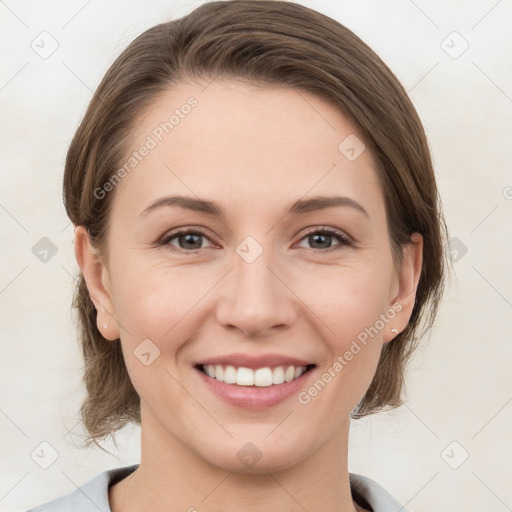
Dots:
(210, 208)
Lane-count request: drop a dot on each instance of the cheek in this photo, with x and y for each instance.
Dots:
(351, 306)
(152, 304)
(349, 301)
(150, 295)
(161, 303)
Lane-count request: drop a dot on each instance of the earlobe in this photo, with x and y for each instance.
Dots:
(96, 277)
(408, 283)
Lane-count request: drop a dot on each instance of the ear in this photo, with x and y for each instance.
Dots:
(407, 283)
(96, 277)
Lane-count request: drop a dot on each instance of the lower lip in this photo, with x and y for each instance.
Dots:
(254, 397)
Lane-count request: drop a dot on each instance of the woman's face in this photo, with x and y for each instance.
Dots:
(257, 288)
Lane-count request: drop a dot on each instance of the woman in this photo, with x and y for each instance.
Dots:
(259, 235)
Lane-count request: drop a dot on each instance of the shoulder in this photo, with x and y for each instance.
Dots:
(89, 497)
(371, 495)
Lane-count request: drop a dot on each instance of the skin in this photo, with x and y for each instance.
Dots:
(254, 151)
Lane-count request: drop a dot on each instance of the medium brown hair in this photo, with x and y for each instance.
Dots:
(264, 42)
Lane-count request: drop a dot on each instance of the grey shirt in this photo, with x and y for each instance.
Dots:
(93, 495)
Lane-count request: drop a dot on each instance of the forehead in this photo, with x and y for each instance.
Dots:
(247, 146)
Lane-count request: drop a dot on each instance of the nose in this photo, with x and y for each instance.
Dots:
(255, 297)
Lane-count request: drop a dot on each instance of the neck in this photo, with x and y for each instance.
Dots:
(172, 474)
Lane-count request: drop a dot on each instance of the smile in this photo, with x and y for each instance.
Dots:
(259, 377)
(254, 382)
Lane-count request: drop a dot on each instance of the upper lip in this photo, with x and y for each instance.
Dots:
(254, 362)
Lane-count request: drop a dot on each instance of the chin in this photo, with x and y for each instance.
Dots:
(254, 457)
(268, 464)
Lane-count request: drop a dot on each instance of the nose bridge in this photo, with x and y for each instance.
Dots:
(255, 298)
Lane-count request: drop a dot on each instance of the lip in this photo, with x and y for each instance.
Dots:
(255, 362)
(254, 397)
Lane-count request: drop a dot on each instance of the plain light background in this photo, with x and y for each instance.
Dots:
(449, 447)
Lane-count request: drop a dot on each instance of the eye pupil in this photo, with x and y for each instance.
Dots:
(194, 237)
(316, 236)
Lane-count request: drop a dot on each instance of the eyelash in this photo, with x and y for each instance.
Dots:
(344, 239)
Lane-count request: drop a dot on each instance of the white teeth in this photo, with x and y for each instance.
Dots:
(278, 375)
(289, 374)
(229, 375)
(219, 371)
(262, 377)
(298, 372)
(245, 377)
